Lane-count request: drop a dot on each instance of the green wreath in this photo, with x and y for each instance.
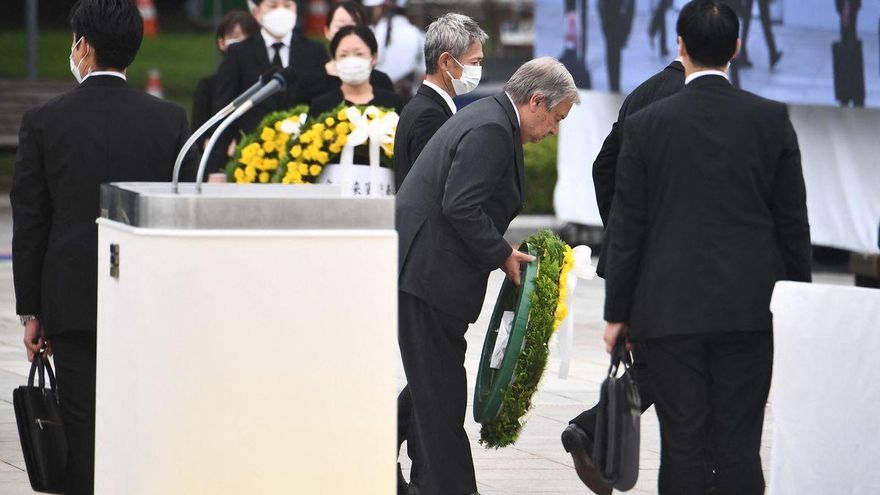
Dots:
(500, 404)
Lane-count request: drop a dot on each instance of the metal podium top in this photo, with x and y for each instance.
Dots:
(234, 206)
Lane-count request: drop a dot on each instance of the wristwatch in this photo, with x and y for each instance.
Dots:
(26, 318)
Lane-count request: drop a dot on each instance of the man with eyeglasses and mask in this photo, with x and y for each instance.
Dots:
(276, 44)
(101, 131)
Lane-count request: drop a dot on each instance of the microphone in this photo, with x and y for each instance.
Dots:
(264, 79)
(277, 84)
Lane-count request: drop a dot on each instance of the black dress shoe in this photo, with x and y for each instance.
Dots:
(402, 486)
(579, 445)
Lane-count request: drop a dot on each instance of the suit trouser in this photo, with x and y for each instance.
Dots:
(587, 419)
(75, 359)
(433, 346)
(406, 432)
(710, 392)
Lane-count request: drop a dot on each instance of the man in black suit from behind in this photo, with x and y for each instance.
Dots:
(578, 436)
(453, 42)
(101, 131)
(452, 211)
(709, 212)
(276, 44)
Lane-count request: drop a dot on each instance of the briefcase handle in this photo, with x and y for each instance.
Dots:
(41, 363)
(619, 355)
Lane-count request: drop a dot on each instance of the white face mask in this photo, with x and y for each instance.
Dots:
(232, 41)
(279, 22)
(74, 68)
(470, 78)
(354, 70)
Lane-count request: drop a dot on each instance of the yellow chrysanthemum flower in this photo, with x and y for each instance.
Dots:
(343, 128)
(335, 148)
(342, 140)
(328, 135)
(239, 175)
(285, 180)
(329, 122)
(303, 169)
(315, 170)
(296, 151)
(342, 115)
(270, 164)
(278, 125)
(268, 134)
(269, 146)
(264, 177)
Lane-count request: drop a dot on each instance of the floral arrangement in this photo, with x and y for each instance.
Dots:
(288, 148)
(259, 155)
(548, 310)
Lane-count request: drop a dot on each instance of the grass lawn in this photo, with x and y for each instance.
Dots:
(182, 58)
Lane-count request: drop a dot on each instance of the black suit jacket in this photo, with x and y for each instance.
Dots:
(709, 213)
(101, 131)
(665, 83)
(419, 121)
(456, 204)
(318, 83)
(241, 68)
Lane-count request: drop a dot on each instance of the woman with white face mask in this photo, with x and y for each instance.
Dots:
(354, 51)
(326, 79)
(234, 27)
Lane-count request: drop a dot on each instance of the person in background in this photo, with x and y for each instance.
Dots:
(354, 53)
(709, 213)
(454, 56)
(766, 25)
(658, 25)
(103, 130)
(235, 26)
(578, 436)
(326, 79)
(275, 45)
(617, 20)
(401, 45)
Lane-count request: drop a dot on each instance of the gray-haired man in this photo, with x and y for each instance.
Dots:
(452, 211)
(453, 64)
(453, 60)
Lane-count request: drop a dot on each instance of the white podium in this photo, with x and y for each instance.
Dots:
(826, 436)
(246, 341)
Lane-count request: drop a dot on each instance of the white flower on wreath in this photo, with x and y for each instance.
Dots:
(293, 125)
(371, 124)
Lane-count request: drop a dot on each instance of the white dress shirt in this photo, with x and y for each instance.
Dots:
(444, 94)
(106, 73)
(702, 73)
(518, 120)
(285, 50)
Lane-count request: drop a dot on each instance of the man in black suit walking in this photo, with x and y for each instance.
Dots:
(709, 212)
(277, 44)
(452, 211)
(101, 131)
(578, 436)
(453, 53)
(453, 64)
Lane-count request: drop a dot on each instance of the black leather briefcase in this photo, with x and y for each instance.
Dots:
(616, 448)
(43, 441)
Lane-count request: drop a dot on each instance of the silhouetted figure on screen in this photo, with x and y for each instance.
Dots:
(617, 19)
(849, 69)
(764, 10)
(574, 51)
(658, 25)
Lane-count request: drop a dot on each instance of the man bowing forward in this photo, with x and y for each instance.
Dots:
(452, 211)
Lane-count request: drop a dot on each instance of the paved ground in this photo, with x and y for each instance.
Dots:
(536, 464)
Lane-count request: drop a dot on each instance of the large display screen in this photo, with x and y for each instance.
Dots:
(815, 52)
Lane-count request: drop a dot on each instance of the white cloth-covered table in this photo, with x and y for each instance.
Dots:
(826, 390)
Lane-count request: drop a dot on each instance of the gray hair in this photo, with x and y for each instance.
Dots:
(453, 33)
(544, 76)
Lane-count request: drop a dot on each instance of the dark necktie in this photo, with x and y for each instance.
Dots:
(276, 60)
